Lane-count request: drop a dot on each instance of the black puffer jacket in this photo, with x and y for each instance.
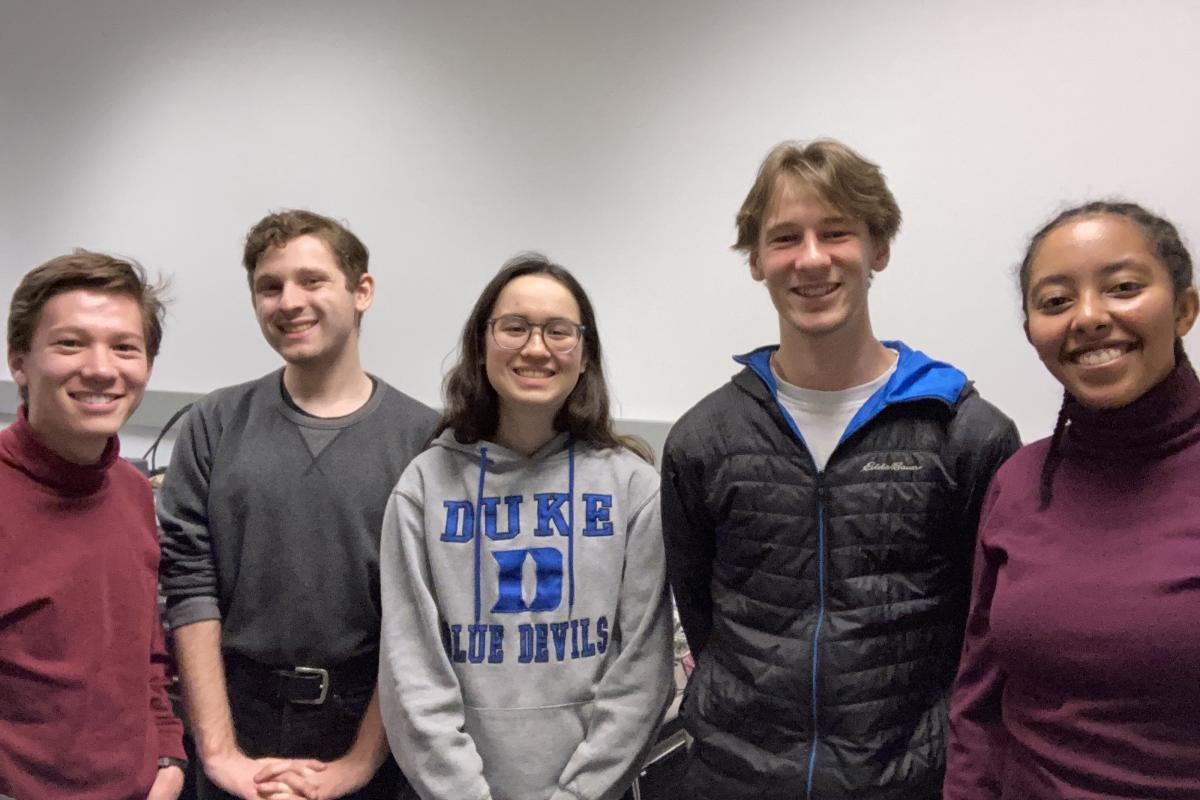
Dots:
(826, 609)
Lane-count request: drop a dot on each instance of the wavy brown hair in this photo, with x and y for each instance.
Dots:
(472, 405)
(840, 177)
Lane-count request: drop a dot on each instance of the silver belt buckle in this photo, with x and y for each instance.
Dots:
(323, 674)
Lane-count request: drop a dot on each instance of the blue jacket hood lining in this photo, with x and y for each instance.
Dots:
(917, 377)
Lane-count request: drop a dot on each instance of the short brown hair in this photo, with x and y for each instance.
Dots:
(280, 227)
(840, 177)
(83, 269)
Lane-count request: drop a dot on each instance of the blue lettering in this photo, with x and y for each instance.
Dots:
(458, 511)
(456, 651)
(559, 631)
(525, 631)
(602, 632)
(596, 510)
(477, 642)
(541, 651)
(574, 638)
(549, 509)
(588, 650)
(490, 509)
(496, 651)
(548, 569)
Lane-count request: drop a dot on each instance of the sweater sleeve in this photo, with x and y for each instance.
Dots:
(188, 572)
(690, 547)
(170, 729)
(637, 686)
(419, 694)
(975, 753)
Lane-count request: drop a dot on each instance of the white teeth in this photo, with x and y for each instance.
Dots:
(1094, 358)
(95, 399)
(816, 291)
(296, 327)
(534, 373)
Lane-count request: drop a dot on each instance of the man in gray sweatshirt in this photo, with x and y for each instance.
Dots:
(271, 514)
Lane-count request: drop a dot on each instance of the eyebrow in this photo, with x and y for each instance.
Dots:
(785, 224)
(1106, 270)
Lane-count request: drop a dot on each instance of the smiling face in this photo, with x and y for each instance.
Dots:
(1101, 310)
(85, 371)
(816, 264)
(304, 308)
(533, 381)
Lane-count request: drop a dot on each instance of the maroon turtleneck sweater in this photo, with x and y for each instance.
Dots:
(1080, 675)
(83, 711)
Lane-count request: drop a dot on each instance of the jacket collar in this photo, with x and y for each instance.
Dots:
(917, 377)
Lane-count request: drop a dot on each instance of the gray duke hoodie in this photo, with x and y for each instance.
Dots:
(526, 647)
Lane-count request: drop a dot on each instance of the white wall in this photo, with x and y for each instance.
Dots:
(619, 137)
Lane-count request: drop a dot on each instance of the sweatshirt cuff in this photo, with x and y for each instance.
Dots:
(563, 793)
(190, 610)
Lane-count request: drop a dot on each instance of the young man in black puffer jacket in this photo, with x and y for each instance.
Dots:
(820, 513)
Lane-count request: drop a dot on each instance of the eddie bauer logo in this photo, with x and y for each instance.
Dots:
(895, 466)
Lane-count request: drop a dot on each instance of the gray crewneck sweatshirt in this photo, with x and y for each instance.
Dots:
(526, 650)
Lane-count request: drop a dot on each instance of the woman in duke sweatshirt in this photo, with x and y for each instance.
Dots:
(526, 647)
(1080, 675)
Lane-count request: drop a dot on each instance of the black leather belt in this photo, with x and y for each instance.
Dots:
(300, 684)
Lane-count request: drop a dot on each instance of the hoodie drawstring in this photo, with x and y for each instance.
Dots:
(479, 527)
(571, 529)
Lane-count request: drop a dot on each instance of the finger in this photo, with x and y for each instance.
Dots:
(292, 782)
(274, 790)
(270, 767)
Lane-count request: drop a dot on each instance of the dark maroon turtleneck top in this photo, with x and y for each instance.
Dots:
(83, 711)
(1080, 675)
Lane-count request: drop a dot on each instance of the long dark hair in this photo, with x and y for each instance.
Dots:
(1163, 240)
(472, 405)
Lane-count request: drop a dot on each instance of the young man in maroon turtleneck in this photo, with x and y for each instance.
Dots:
(83, 711)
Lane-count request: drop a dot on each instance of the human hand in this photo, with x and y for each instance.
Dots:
(168, 783)
(314, 780)
(279, 778)
(234, 771)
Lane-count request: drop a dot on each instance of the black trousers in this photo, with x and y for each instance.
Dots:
(268, 728)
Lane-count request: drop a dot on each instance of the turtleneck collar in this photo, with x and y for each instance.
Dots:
(26, 451)
(1159, 422)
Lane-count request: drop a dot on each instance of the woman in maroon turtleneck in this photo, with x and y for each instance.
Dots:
(1080, 675)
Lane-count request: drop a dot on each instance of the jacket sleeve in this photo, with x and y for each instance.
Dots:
(975, 753)
(690, 541)
(419, 694)
(637, 685)
(187, 572)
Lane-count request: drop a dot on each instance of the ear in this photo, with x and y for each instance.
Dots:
(883, 254)
(755, 271)
(364, 293)
(16, 366)
(1186, 306)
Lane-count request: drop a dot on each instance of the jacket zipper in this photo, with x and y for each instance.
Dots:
(816, 638)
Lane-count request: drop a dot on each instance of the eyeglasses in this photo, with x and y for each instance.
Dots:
(560, 336)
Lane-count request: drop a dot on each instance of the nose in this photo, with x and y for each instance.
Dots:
(811, 252)
(539, 349)
(1091, 314)
(289, 296)
(99, 364)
